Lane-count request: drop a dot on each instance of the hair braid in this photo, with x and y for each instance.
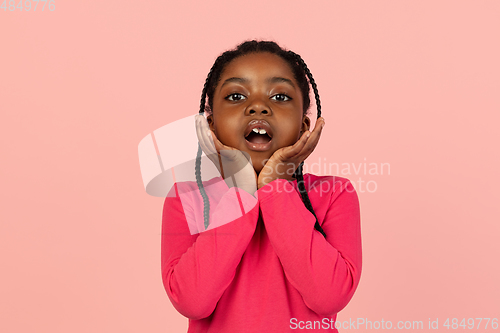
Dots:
(311, 80)
(197, 168)
(298, 173)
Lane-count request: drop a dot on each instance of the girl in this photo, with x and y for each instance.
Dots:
(291, 259)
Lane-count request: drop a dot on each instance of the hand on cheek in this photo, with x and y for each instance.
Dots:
(286, 160)
(234, 166)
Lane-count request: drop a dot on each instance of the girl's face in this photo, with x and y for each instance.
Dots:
(258, 92)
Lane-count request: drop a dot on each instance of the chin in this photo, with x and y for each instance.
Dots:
(258, 167)
(259, 162)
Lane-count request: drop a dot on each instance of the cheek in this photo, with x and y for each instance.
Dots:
(224, 131)
(290, 137)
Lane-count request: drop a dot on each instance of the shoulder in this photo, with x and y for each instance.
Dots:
(184, 187)
(329, 186)
(313, 181)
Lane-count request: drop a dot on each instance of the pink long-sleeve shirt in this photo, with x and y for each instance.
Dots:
(268, 269)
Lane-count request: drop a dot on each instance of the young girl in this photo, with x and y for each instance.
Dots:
(291, 258)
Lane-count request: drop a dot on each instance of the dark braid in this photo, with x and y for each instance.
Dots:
(302, 75)
(298, 173)
(311, 80)
(197, 169)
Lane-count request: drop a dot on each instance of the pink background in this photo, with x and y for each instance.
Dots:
(411, 83)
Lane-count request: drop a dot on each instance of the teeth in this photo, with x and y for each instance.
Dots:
(259, 131)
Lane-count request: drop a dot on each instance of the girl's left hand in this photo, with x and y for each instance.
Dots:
(286, 160)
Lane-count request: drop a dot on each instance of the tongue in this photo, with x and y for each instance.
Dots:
(258, 138)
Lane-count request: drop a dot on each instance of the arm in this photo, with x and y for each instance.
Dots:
(325, 272)
(197, 269)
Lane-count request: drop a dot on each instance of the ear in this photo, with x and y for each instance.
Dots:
(210, 120)
(306, 124)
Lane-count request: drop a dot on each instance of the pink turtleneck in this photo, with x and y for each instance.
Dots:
(264, 269)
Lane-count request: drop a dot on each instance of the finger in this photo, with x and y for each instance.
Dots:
(313, 140)
(222, 147)
(206, 141)
(294, 150)
(203, 126)
(199, 132)
(218, 145)
(320, 123)
(211, 144)
(316, 133)
(203, 137)
(210, 137)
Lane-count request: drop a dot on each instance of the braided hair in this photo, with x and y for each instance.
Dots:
(301, 74)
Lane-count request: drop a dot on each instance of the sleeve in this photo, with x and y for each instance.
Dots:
(326, 272)
(197, 269)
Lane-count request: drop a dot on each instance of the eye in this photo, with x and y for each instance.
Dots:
(235, 97)
(281, 97)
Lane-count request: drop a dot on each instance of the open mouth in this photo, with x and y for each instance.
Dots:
(258, 135)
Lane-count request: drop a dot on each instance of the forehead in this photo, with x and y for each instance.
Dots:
(258, 64)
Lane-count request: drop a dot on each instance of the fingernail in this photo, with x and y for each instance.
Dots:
(308, 134)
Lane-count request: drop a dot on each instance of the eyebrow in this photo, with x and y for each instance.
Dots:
(278, 79)
(274, 79)
(235, 79)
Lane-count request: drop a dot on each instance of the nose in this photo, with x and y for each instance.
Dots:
(258, 106)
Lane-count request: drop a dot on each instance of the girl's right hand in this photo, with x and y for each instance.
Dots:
(235, 166)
